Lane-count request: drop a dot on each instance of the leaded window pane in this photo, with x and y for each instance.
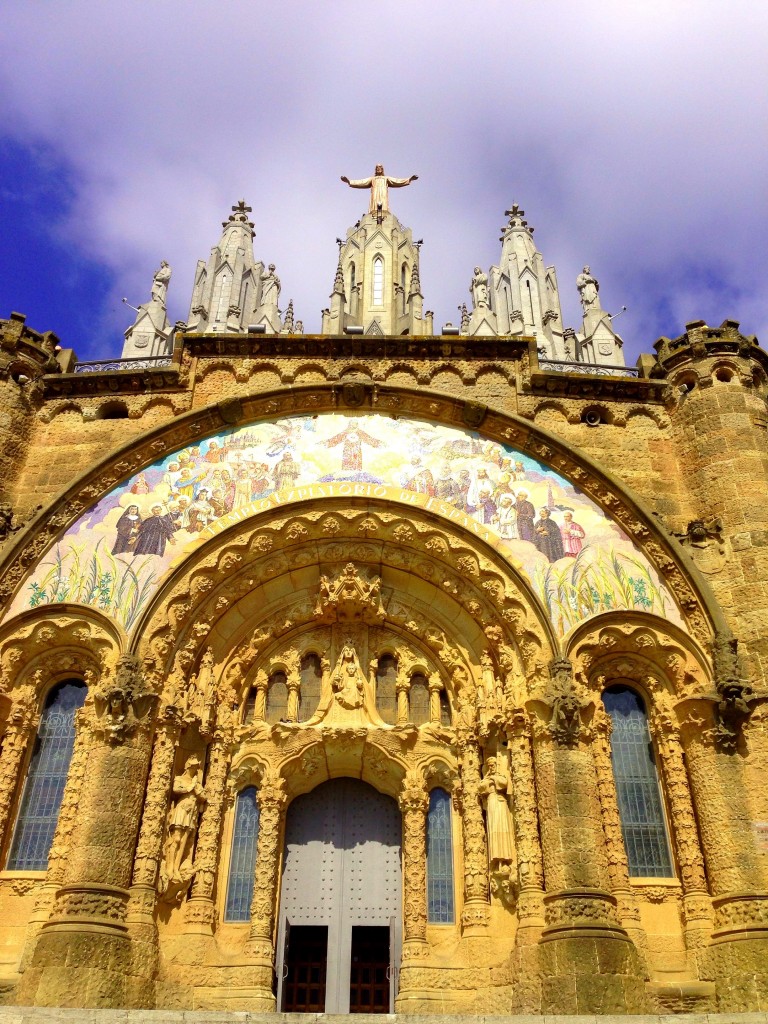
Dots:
(637, 786)
(46, 779)
(242, 862)
(439, 859)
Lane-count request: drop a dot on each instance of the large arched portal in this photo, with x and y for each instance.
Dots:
(340, 903)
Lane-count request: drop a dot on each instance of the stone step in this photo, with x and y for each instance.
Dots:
(56, 1015)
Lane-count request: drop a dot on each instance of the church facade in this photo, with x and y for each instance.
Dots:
(386, 668)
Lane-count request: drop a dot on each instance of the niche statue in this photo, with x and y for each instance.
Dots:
(189, 797)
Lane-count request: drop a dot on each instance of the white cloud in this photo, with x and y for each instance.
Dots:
(632, 134)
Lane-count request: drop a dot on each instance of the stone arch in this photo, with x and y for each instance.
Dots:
(242, 575)
(690, 589)
(664, 662)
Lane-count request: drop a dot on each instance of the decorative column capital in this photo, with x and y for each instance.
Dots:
(413, 795)
(123, 703)
(559, 710)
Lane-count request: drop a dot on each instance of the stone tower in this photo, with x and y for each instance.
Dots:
(377, 288)
(234, 290)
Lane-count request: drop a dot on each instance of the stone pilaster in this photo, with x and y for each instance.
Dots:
(738, 956)
(142, 925)
(475, 916)
(414, 804)
(530, 865)
(199, 912)
(15, 741)
(260, 946)
(697, 905)
(83, 954)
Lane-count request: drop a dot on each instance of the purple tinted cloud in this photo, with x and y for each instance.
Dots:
(633, 137)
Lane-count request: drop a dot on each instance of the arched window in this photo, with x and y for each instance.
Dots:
(277, 697)
(352, 278)
(403, 274)
(386, 695)
(250, 706)
(637, 786)
(46, 778)
(242, 861)
(311, 680)
(418, 699)
(378, 281)
(439, 859)
(445, 709)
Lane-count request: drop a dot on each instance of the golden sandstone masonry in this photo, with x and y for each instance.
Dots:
(383, 668)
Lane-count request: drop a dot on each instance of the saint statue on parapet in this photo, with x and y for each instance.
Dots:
(379, 183)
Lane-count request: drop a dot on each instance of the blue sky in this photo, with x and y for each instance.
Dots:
(633, 134)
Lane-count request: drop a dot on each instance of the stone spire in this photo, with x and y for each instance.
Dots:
(377, 286)
(232, 290)
(150, 333)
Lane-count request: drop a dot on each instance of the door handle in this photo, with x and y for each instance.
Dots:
(285, 971)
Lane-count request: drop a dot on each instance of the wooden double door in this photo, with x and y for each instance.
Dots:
(340, 907)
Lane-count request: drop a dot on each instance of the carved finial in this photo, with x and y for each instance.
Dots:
(415, 280)
(239, 215)
(516, 219)
(288, 318)
(338, 281)
(464, 326)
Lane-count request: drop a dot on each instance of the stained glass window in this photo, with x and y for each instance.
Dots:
(242, 861)
(250, 706)
(637, 786)
(46, 778)
(311, 680)
(445, 709)
(378, 281)
(439, 859)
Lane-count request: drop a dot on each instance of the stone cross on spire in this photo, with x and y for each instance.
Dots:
(379, 183)
(239, 215)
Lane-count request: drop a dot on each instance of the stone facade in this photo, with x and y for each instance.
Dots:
(327, 518)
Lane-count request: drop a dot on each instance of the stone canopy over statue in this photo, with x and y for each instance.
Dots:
(379, 183)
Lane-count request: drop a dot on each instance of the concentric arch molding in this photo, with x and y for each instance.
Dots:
(409, 426)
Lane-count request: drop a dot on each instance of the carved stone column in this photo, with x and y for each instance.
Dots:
(20, 731)
(199, 913)
(261, 684)
(530, 902)
(738, 957)
(402, 686)
(618, 867)
(475, 916)
(414, 804)
(697, 905)
(435, 688)
(583, 937)
(83, 955)
(260, 945)
(149, 849)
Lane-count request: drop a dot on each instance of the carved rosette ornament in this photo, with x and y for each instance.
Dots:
(414, 805)
(272, 800)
